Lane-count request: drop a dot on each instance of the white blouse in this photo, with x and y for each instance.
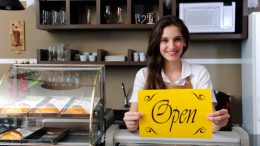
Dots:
(199, 77)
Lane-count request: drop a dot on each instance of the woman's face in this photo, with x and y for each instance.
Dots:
(171, 44)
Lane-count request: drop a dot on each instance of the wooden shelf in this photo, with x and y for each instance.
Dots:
(98, 27)
(219, 36)
(106, 63)
(42, 58)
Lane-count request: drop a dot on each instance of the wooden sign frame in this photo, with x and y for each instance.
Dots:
(17, 36)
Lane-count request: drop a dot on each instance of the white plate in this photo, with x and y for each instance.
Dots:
(115, 58)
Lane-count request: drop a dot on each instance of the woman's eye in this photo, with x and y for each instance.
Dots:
(178, 39)
(164, 40)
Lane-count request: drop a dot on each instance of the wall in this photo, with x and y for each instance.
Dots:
(225, 77)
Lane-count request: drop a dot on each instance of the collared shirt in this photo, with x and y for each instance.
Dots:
(199, 76)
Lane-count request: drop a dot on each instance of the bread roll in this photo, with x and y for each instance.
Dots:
(47, 108)
(76, 109)
(21, 108)
(11, 135)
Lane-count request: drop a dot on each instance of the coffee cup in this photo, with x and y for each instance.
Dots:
(83, 57)
(140, 19)
(92, 57)
(150, 18)
(142, 56)
(136, 56)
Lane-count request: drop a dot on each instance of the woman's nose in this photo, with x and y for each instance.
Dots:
(171, 43)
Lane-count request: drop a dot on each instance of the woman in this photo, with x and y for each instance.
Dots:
(168, 41)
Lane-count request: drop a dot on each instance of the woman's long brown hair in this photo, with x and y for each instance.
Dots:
(154, 58)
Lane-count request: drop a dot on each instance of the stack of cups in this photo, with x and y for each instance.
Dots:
(88, 56)
(136, 56)
(142, 56)
(93, 56)
(139, 56)
(84, 56)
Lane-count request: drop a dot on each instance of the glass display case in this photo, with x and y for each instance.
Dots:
(52, 103)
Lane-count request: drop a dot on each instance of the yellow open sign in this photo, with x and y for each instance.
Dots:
(180, 113)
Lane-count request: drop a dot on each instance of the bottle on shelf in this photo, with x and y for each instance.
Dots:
(119, 15)
(88, 14)
(107, 14)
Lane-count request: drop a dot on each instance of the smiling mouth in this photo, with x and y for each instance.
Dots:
(172, 52)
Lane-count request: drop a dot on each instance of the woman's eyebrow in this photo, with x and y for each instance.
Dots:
(179, 36)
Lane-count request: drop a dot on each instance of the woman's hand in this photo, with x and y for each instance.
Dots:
(219, 118)
(131, 119)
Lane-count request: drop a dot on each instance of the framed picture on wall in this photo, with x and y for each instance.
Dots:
(17, 36)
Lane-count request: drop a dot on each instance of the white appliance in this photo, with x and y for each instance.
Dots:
(251, 76)
(208, 17)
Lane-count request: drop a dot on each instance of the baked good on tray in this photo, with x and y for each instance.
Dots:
(53, 106)
(47, 108)
(79, 107)
(19, 108)
(76, 109)
(11, 135)
(23, 106)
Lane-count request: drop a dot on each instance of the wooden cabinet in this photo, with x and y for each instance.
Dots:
(91, 15)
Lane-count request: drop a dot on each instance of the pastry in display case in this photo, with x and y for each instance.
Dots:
(52, 103)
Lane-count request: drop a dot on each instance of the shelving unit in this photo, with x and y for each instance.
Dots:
(75, 15)
(106, 63)
(42, 58)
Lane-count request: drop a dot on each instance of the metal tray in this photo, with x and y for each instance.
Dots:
(24, 132)
(46, 135)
